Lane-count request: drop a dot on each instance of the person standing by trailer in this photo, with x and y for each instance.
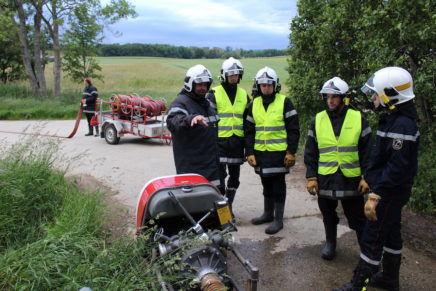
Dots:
(193, 126)
(230, 102)
(392, 168)
(336, 156)
(271, 136)
(89, 98)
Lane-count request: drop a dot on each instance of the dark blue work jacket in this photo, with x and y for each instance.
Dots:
(195, 147)
(394, 156)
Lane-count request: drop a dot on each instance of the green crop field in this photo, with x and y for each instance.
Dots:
(163, 77)
(158, 78)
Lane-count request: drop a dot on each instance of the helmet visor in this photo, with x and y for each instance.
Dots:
(233, 72)
(203, 79)
(368, 88)
(265, 81)
(330, 87)
(330, 91)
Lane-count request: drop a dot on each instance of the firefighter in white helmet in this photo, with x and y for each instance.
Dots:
(230, 102)
(390, 174)
(193, 125)
(272, 134)
(336, 156)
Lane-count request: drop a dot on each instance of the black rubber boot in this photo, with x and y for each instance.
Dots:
(230, 194)
(329, 250)
(268, 212)
(362, 275)
(389, 278)
(277, 224)
(91, 131)
(96, 131)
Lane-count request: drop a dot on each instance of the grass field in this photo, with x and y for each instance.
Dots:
(158, 78)
(163, 77)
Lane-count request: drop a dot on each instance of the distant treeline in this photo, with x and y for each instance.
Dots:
(169, 51)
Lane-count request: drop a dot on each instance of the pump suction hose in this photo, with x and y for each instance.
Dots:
(76, 126)
(212, 282)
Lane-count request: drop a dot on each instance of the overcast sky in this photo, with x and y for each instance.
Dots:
(246, 24)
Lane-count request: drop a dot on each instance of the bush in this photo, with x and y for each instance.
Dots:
(423, 197)
(52, 235)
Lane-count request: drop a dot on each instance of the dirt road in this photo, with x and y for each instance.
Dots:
(289, 260)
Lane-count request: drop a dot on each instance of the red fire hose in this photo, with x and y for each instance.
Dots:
(76, 126)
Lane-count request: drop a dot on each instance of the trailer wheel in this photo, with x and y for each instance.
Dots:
(110, 134)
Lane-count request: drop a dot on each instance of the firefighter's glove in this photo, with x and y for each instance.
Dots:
(363, 186)
(312, 185)
(251, 160)
(289, 160)
(370, 206)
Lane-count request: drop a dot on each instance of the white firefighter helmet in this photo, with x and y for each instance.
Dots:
(335, 86)
(393, 85)
(197, 74)
(231, 66)
(267, 75)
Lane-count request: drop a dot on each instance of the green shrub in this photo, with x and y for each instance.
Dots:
(423, 197)
(52, 235)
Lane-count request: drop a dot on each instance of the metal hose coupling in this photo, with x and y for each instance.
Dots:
(212, 282)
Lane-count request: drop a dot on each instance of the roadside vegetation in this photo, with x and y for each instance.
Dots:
(54, 237)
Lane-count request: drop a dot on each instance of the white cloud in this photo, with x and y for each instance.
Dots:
(213, 14)
(168, 19)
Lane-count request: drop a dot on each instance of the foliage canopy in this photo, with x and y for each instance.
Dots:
(352, 39)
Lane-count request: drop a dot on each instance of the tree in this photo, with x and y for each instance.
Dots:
(11, 67)
(354, 38)
(52, 14)
(80, 46)
(30, 44)
(351, 39)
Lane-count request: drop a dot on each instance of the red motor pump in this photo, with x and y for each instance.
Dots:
(192, 220)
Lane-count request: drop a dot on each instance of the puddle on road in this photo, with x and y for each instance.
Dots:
(297, 233)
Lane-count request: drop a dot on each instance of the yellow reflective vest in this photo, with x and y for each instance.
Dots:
(231, 115)
(342, 152)
(270, 125)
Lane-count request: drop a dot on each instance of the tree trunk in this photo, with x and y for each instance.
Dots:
(57, 66)
(39, 66)
(27, 60)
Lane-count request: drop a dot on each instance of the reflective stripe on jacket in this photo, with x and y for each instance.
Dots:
(231, 115)
(270, 125)
(339, 152)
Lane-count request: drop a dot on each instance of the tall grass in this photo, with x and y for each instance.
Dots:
(53, 237)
